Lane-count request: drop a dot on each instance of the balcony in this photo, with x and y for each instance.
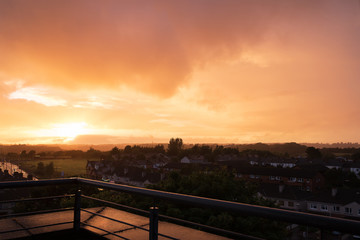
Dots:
(115, 221)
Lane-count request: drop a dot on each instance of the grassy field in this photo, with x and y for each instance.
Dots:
(70, 167)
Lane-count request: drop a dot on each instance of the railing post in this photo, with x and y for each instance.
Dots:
(153, 228)
(77, 209)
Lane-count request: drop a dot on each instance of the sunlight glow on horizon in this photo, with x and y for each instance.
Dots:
(67, 131)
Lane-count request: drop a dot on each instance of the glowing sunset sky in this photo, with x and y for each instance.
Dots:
(109, 71)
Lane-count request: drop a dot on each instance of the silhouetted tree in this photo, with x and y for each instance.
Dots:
(127, 149)
(313, 153)
(115, 151)
(175, 146)
(40, 170)
(49, 170)
(31, 154)
(92, 153)
(159, 149)
(23, 154)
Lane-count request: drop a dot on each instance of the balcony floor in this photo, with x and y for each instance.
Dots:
(123, 230)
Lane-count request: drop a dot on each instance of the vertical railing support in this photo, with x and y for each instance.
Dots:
(77, 209)
(153, 228)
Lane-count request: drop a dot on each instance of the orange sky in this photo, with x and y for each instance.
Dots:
(107, 71)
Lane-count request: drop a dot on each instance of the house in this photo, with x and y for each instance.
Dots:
(334, 164)
(354, 168)
(339, 202)
(194, 160)
(230, 157)
(174, 166)
(284, 163)
(273, 162)
(286, 197)
(99, 169)
(306, 180)
(136, 176)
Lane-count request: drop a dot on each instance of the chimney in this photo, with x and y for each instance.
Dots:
(334, 191)
(281, 187)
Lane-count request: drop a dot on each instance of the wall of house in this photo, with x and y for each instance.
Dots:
(306, 184)
(290, 204)
(332, 209)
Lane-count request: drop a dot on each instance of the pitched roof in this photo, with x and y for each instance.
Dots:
(272, 171)
(344, 196)
(289, 192)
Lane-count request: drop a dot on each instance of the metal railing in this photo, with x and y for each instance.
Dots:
(307, 219)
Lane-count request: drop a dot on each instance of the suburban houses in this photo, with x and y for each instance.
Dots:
(292, 183)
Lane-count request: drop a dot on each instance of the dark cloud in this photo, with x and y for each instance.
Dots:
(153, 46)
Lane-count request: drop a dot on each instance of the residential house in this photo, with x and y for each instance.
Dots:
(273, 162)
(334, 164)
(339, 202)
(306, 180)
(194, 160)
(286, 197)
(354, 167)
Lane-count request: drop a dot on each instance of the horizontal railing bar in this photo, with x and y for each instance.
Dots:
(205, 227)
(119, 221)
(125, 207)
(116, 204)
(319, 221)
(108, 232)
(210, 228)
(36, 212)
(115, 220)
(36, 199)
(30, 228)
(166, 236)
(37, 183)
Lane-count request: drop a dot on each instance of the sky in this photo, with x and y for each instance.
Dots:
(207, 71)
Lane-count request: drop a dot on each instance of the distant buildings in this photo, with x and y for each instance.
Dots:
(292, 183)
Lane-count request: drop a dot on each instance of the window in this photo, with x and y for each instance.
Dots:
(348, 210)
(292, 179)
(336, 209)
(308, 188)
(313, 206)
(272, 178)
(257, 176)
(252, 176)
(324, 207)
(281, 203)
(300, 180)
(278, 178)
(308, 180)
(290, 204)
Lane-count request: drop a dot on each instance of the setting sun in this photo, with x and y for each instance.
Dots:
(65, 131)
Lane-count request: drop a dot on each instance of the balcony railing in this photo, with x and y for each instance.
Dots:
(317, 221)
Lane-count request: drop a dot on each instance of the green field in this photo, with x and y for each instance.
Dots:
(70, 167)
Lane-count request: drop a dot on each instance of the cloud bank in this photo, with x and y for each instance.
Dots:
(153, 46)
(249, 70)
